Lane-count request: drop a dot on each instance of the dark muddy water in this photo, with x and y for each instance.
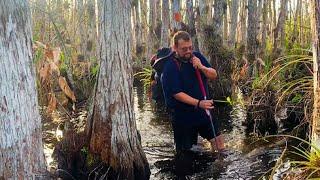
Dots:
(244, 160)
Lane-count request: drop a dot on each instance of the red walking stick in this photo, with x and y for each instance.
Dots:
(204, 94)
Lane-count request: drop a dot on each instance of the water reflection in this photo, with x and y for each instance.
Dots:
(243, 161)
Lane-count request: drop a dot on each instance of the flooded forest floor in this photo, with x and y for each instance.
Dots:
(246, 158)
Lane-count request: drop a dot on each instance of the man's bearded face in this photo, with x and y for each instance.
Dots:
(184, 49)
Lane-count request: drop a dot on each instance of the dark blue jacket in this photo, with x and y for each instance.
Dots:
(183, 79)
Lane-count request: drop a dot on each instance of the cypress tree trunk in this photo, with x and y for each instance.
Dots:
(209, 5)
(315, 24)
(191, 23)
(243, 19)
(274, 17)
(219, 9)
(21, 149)
(295, 24)
(91, 30)
(158, 21)
(279, 32)
(258, 18)
(264, 28)
(80, 27)
(201, 26)
(165, 24)
(252, 35)
(152, 38)
(225, 23)
(112, 130)
(234, 20)
(144, 28)
(138, 27)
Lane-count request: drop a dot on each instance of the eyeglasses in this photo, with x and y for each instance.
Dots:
(185, 49)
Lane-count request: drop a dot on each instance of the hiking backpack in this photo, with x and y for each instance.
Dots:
(157, 62)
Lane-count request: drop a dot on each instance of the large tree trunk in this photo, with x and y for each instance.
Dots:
(225, 23)
(307, 31)
(279, 32)
(209, 4)
(258, 18)
(315, 24)
(295, 24)
(252, 35)
(219, 9)
(234, 20)
(201, 26)
(191, 23)
(80, 27)
(301, 22)
(113, 134)
(158, 21)
(138, 27)
(152, 38)
(165, 24)
(91, 30)
(133, 27)
(21, 150)
(144, 27)
(212, 47)
(274, 17)
(243, 20)
(264, 28)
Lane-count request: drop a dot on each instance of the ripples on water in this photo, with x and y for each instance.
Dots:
(244, 160)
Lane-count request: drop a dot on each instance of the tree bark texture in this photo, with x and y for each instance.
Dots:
(152, 38)
(138, 27)
(315, 4)
(243, 19)
(113, 130)
(144, 28)
(158, 20)
(279, 32)
(258, 18)
(21, 150)
(219, 9)
(234, 20)
(274, 17)
(165, 24)
(252, 34)
(91, 30)
(295, 33)
(191, 23)
(225, 24)
(264, 28)
(209, 5)
(202, 26)
(80, 27)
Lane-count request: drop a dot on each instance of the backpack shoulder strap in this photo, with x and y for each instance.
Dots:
(177, 62)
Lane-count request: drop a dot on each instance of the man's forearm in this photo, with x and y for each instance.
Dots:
(210, 73)
(185, 98)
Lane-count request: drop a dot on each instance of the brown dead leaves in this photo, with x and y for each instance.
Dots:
(52, 105)
(50, 76)
(66, 89)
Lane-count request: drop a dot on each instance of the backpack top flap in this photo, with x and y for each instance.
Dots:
(162, 56)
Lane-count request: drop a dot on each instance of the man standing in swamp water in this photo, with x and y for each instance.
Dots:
(184, 98)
